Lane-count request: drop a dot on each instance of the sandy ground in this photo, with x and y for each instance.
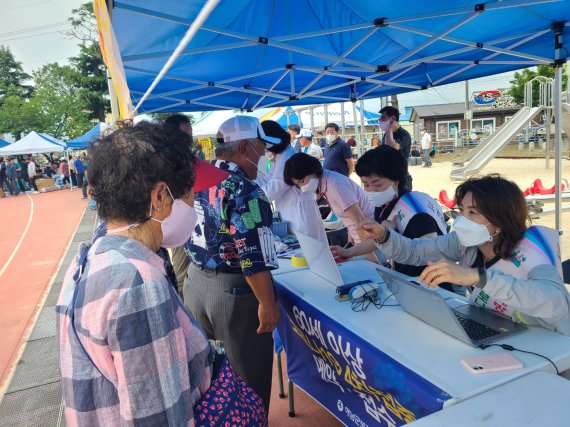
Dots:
(522, 171)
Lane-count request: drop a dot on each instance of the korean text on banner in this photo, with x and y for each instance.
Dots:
(355, 381)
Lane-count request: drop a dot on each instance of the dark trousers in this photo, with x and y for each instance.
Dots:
(233, 320)
(82, 182)
(73, 178)
(426, 158)
(13, 186)
(33, 183)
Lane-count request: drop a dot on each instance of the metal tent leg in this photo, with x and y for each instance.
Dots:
(291, 399)
(280, 375)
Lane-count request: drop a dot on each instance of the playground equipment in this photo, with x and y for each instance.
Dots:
(486, 150)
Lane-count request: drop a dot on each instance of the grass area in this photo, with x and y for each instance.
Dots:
(510, 151)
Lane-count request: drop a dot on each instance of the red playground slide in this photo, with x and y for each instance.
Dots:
(445, 200)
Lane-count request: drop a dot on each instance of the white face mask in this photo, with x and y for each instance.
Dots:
(380, 198)
(311, 186)
(331, 138)
(177, 227)
(470, 233)
(384, 125)
(261, 165)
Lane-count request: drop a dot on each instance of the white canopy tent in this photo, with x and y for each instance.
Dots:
(34, 143)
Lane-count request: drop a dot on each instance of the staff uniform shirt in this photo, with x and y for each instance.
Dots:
(141, 358)
(295, 206)
(233, 233)
(336, 155)
(313, 150)
(341, 193)
(426, 141)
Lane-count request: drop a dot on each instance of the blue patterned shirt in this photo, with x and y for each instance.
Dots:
(233, 233)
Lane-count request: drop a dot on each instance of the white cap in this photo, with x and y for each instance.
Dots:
(243, 127)
(306, 133)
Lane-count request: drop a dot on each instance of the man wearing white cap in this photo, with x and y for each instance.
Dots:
(229, 287)
(307, 146)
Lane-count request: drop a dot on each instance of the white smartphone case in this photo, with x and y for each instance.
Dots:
(496, 362)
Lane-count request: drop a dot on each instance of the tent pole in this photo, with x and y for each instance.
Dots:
(326, 108)
(362, 148)
(355, 120)
(342, 120)
(558, 143)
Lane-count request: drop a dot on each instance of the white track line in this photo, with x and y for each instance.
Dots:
(21, 238)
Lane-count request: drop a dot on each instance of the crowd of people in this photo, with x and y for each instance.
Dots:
(140, 328)
(19, 175)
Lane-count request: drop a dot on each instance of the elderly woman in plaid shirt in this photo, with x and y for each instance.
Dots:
(130, 353)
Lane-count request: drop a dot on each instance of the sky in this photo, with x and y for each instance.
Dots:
(34, 31)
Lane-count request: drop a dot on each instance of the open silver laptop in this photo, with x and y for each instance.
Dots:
(321, 261)
(470, 324)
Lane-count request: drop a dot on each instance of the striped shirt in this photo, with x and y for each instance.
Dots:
(142, 359)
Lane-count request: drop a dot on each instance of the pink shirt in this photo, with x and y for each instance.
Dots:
(341, 193)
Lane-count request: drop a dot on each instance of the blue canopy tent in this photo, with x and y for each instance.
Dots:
(3, 143)
(87, 139)
(248, 54)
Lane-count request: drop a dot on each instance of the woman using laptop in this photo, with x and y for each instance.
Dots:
(511, 268)
(412, 214)
(348, 201)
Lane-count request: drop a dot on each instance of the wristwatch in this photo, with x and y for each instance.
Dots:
(385, 238)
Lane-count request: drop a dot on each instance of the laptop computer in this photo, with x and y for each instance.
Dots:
(321, 261)
(470, 324)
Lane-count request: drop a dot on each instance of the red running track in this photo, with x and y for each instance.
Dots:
(35, 232)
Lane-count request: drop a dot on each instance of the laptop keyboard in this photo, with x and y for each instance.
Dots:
(475, 330)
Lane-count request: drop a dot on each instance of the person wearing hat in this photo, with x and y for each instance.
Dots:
(294, 206)
(307, 146)
(229, 287)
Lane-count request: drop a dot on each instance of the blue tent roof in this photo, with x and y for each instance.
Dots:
(3, 143)
(87, 139)
(256, 53)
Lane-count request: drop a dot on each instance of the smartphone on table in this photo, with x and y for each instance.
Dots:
(487, 363)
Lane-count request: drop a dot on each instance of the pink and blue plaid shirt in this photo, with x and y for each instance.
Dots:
(142, 359)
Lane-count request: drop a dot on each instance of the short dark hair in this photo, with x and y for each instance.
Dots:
(295, 128)
(176, 120)
(424, 129)
(126, 165)
(274, 129)
(502, 202)
(391, 111)
(332, 125)
(384, 161)
(299, 166)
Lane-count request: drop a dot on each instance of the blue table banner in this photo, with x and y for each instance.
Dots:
(355, 381)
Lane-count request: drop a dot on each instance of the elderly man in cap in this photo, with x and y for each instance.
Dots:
(229, 287)
(307, 146)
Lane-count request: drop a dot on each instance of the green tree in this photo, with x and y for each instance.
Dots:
(64, 110)
(526, 75)
(12, 76)
(89, 62)
(20, 116)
